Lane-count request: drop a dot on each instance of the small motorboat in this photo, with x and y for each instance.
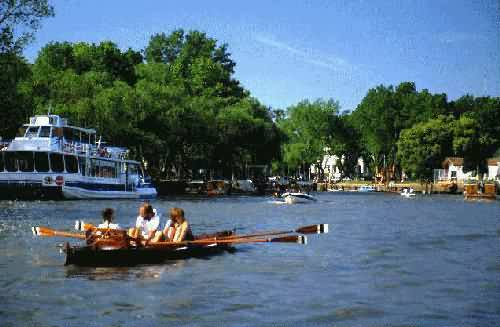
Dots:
(408, 193)
(367, 188)
(297, 197)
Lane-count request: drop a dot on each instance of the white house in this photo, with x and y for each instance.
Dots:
(494, 168)
(453, 170)
(331, 169)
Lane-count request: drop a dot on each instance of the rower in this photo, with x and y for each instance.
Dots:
(107, 219)
(182, 230)
(146, 223)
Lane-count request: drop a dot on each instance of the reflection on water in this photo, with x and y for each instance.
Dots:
(145, 272)
(387, 261)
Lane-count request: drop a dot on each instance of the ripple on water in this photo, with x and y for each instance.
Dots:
(346, 314)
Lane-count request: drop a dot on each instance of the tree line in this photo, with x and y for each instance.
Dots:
(179, 108)
(396, 130)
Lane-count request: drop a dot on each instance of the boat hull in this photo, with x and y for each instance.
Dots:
(90, 257)
(71, 192)
(293, 198)
(29, 190)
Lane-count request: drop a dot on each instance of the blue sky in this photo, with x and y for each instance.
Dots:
(288, 50)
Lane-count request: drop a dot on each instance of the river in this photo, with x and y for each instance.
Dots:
(427, 261)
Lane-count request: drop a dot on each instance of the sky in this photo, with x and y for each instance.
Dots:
(287, 50)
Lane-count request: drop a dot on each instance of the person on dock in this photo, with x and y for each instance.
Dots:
(107, 219)
(146, 224)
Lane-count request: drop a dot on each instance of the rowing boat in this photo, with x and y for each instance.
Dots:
(105, 247)
(132, 256)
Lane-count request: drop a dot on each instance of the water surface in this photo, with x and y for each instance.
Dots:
(428, 261)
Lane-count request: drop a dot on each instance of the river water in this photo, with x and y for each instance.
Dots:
(387, 261)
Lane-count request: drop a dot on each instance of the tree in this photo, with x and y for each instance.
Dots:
(308, 129)
(423, 147)
(15, 93)
(385, 111)
(476, 130)
(19, 19)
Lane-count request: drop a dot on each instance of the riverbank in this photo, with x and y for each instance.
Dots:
(430, 188)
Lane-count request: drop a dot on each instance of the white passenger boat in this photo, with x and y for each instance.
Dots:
(297, 197)
(408, 193)
(53, 160)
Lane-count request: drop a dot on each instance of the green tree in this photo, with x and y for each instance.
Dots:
(423, 147)
(19, 19)
(15, 93)
(308, 129)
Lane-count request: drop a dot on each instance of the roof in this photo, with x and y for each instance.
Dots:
(493, 161)
(456, 161)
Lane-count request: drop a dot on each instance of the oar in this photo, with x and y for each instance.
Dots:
(48, 232)
(300, 239)
(81, 226)
(311, 229)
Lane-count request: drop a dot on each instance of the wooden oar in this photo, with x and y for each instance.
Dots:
(48, 232)
(300, 239)
(311, 229)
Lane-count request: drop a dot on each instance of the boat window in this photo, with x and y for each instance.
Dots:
(45, 131)
(83, 165)
(10, 161)
(25, 161)
(32, 131)
(56, 162)
(71, 164)
(41, 162)
(2, 166)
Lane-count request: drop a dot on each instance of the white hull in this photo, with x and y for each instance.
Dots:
(293, 198)
(408, 195)
(70, 192)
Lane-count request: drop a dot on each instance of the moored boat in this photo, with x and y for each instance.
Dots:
(367, 188)
(53, 160)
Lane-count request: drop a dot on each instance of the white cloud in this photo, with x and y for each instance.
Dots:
(331, 62)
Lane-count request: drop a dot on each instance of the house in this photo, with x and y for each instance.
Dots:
(331, 169)
(453, 170)
(494, 168)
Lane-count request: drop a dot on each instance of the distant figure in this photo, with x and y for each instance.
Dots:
(107, 219)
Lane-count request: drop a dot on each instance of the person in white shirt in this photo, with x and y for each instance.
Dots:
(107, 219)
(146, 223)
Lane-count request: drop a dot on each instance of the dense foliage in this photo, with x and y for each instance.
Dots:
(396, 130)
(178, 107)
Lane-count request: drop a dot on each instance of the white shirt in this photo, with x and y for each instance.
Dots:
(148, 226)
(108, 225)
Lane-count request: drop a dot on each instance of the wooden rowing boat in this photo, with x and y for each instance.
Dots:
(107, 247)
(90, 256)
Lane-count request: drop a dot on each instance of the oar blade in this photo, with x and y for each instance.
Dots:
(42, 231)
(81, 226)
(313, 229)
(300, 239)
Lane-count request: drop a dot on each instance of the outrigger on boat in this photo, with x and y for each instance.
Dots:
(114, 248)
(53, 160)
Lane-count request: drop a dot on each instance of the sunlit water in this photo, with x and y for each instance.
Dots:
(428, 261)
